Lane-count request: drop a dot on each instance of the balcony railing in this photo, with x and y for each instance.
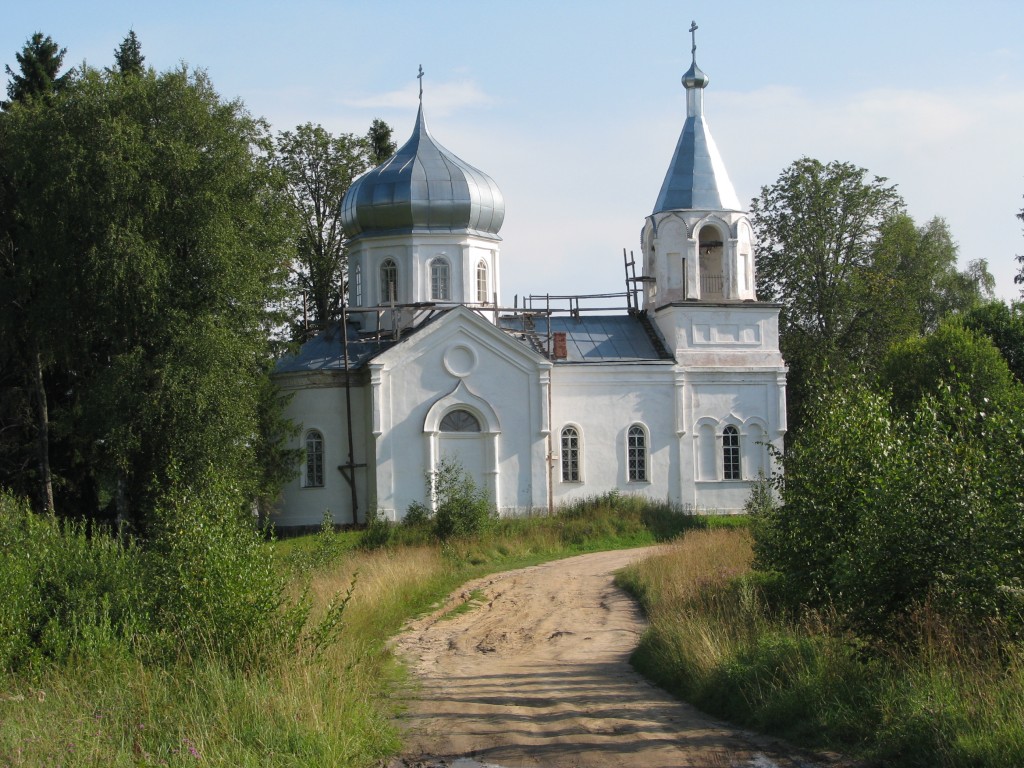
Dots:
(711, 285)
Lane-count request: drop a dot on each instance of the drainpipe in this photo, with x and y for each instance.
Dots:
(551, 449)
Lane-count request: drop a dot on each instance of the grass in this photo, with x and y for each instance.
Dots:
(714, 640)
(329, 709)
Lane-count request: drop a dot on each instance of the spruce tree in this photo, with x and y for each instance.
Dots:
(38, 62)
(128, 58)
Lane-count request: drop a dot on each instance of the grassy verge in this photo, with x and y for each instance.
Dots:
(714, 641)
(300, 709)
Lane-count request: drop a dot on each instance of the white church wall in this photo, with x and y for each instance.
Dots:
(413, 255)
(748, 402)
(698, 333)
(602, 402)
(318, 402)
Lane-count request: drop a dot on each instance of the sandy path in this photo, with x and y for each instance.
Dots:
(539, 675)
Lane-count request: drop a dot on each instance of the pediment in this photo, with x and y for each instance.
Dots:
(462, 338)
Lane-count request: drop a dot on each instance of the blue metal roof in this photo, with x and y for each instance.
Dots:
(696, 177)
(595, 338)
(325, 352)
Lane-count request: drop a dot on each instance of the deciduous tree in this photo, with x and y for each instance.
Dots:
(151, 232)
(852, 271)
(381, 145)
(319, 169)
(1019, 277)
(888, 510)
(951, 358)
(1004, 324)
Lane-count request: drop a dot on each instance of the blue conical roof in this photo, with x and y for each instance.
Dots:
(696, 177)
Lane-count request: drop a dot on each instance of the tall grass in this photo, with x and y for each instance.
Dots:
(713, 639)
(327, 710)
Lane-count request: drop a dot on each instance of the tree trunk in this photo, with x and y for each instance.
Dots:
(42, 431)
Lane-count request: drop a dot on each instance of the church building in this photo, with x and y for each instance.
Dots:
(675, 395)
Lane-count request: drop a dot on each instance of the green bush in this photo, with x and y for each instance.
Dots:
(66, 589)
(953, 357)
(885, 511)
(461, 507)
(210, 577)
(379, 531)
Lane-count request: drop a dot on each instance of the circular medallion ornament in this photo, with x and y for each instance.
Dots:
(460, 360)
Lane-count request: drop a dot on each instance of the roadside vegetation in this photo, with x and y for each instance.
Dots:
(234, 650)
(952, 695)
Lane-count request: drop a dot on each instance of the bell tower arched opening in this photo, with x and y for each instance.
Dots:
(711, 247)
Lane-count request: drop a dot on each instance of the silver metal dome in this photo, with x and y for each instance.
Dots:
(694, 77)
(423, 188)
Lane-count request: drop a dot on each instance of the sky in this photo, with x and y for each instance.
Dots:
(574, 108)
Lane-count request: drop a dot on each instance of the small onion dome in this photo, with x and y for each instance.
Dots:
(423, 188)
(694, 77)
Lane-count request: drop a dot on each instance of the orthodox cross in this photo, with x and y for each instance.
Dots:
(693, 36)
(420, 78)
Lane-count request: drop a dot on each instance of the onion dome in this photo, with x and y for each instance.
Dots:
(696, 177)
(423, 187)
(694, 77)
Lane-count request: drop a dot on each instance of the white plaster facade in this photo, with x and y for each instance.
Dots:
(679, 401)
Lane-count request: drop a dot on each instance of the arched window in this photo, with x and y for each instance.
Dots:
(636, 453)
(482, 288)
(314, 459)
(440, 281)
(731, 453)
(388, 281)
(460, 420)
(570, 455)
(357, 286)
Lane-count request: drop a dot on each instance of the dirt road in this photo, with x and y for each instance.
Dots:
(537, 675)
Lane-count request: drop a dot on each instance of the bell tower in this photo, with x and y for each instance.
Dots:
(697, 243)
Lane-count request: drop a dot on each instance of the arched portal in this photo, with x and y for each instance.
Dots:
(461, 441)
(463, 427)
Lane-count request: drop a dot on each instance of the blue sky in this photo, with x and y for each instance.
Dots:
(574, 108)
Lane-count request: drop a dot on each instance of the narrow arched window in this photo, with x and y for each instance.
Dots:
(731, 453)
(636, 453)
(460, 420)
(440, 280)
(482, 288)
(388, 281)
(314, 459)
(357, 286)
(570, 455)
